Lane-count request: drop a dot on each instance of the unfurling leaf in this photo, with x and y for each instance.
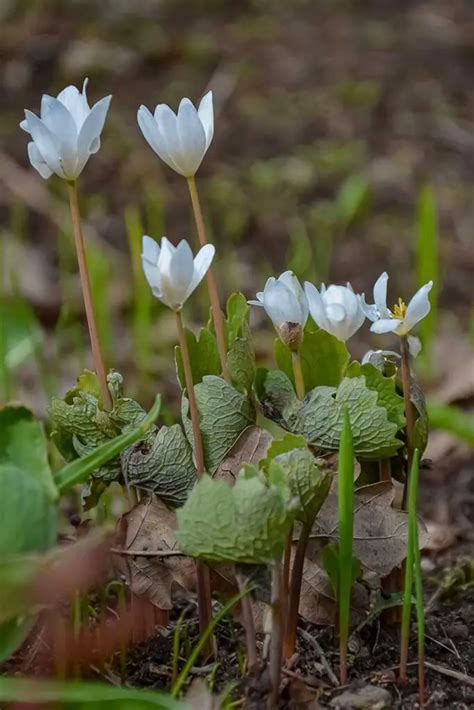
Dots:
(324, 359)
(80, 424)
(203, 354)
(248, 522)
(309, 481)
(162, 463)
(224, 413)
(241, 353)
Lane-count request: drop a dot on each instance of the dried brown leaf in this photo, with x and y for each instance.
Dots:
(380, 530)
(251, 446)
(151, 526)
(317, 603)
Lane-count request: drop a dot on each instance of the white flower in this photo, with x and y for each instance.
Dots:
(403, 318)
(335, 309)
(285, 303)
(66, 134)
(182, 140)
(172, 272)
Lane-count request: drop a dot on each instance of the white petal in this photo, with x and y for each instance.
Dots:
(316, 305)
(291, 282)
(152, 275)
(202, 262)
(380, 294)
(37, 161)
(280, 303)
(24, 126)
(206, 116)
(76, 103)
(152, 135)
(57, 118)
(167, 123)
(419, 306)
(192, 138)
(182, 267)
(386, 325)
(255, 303)
(414, 345)
(335, 312)
(370, 312)
(46, 143)
(150, 249)
(88, 141)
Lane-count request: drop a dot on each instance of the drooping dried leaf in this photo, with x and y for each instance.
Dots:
(251, 446)
(317, 603)
(150, 525)
(380, 530)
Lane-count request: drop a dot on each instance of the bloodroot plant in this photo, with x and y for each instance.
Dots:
(272, 489)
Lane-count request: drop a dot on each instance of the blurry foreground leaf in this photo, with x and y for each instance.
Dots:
(23, 444)
(82, 695)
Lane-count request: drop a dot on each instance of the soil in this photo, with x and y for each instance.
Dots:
(447, 496)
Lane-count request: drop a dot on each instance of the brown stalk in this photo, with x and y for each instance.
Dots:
(409, 412)
(295, 592)
(211, 280)
(202, 571)
(87, 295)
(248, 624)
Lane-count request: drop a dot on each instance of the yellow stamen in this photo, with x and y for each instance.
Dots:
(400, 309)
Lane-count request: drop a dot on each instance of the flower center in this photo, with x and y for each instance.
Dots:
(400, 309)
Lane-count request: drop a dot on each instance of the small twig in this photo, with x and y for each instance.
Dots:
(318, 648)
(148, 553)
(457, 675)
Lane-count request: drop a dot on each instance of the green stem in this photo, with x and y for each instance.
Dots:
(87, 295)
(407, 594)
(298, 374)
(346, 533)
(211, 280)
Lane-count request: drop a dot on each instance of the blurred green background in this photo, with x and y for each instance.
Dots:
(344, 146)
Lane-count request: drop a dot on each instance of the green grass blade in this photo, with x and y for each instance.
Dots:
(346, 526)
(428, 264)
(193, 656)
(407, 594)
(453, 420)
(77, 471)
(142, 295)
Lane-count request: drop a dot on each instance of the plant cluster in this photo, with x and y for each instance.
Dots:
(300, 470)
